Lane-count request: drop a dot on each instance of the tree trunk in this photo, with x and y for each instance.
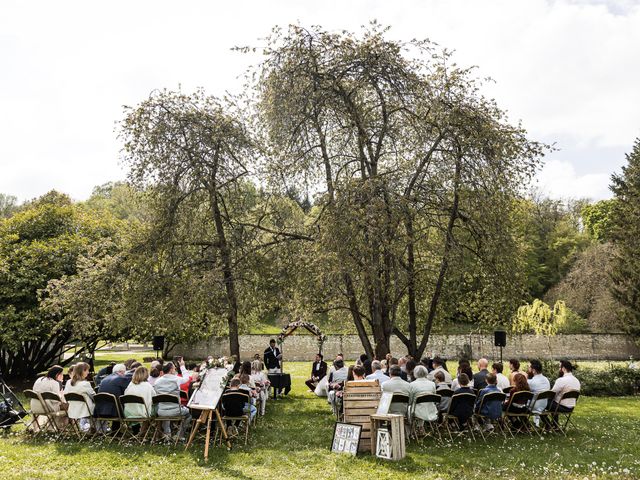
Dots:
(229, 282)
(444, 263)
(355, 313)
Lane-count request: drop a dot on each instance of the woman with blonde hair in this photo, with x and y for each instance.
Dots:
(140, 387)
(261, 381)
(78, 384)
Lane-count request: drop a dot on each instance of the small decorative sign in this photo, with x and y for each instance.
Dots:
(383, 444)
(385, 403)
(346, 437)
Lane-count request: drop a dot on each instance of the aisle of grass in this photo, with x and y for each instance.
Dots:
(292, 442)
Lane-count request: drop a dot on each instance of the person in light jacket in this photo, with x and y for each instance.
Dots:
(421, 384)
(49, 383)
(169, 384)
(140, 387)
(78, 384)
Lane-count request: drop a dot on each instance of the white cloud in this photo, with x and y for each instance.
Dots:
(568, 69)
(558, 179)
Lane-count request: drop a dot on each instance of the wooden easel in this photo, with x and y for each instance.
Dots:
(206, 416)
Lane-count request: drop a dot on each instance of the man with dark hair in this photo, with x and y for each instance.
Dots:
(537, 383)
(438, 366)
(565, 382)
(502, 381)
(272, 357)
(358, 373)
(463, 411)
(396, 384)
(318, 372)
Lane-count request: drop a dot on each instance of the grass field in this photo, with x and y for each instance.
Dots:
(292, 442)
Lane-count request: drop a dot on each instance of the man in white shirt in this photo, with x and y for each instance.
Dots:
(565, 382)
(378, 374)
(397, 384)
(438, 367)
(502, 381)
(537, 383)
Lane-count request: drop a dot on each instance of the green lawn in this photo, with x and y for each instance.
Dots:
(292, 442)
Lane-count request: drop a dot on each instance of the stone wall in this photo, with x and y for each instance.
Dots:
(302, 347)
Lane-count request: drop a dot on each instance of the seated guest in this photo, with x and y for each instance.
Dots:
(338, 377)
(367, 367)
(565, 382)
(154, 374)
(410, 367)
(421, 384)
(318, 372)
(438, 366)
(169, 384)
(115, 384)
(396, 384)
(520, 384)
(234, 409)
(142, 388)
(438, 379)
(396, 362)
(479, 378)
(463, 367)
(358, 374)
(377, 374)
(103, 372)
(129, 362)
(537, 383)
(502, 381)
(132, 368)
(427, 363)
(49, 383)
(492, 410)
(78, 384)
(262, 382)
(463, 411)
(245, 385)
(514, 366)
(361, 359)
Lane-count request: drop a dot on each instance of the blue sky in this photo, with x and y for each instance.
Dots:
(568, 70)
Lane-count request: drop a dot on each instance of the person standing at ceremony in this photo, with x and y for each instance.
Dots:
(318, 372)
(272, 357)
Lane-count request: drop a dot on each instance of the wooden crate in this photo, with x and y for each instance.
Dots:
(360, 401)
(396, 427)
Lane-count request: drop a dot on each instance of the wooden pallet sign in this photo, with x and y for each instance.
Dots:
(360, 401)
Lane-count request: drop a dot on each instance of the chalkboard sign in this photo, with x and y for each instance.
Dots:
(346, 437)
(207, 395)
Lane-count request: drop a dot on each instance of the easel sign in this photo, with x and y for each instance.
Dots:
(208, 393)
(346, 437)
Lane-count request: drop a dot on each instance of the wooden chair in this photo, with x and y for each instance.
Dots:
(74, 423)
(361, 400)
(520, 420)
(128, 423)
(459, 399)
(234, 415)
(422, 398)
(101, 422)
(481, 420)
(172, 419)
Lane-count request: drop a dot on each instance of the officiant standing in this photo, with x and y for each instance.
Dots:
(272, 357)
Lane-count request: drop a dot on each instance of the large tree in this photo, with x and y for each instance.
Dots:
(416, 174)
(191, 153)
(624, 233)
(40, 243)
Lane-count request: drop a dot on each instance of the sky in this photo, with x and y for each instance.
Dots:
(568, 70)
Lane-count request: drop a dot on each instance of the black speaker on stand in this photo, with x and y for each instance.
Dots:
(158, 344)
(500, 340)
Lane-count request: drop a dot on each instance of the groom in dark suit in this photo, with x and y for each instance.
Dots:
(272, 357)
(318, 372)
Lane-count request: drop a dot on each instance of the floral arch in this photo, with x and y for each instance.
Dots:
(291, 327)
